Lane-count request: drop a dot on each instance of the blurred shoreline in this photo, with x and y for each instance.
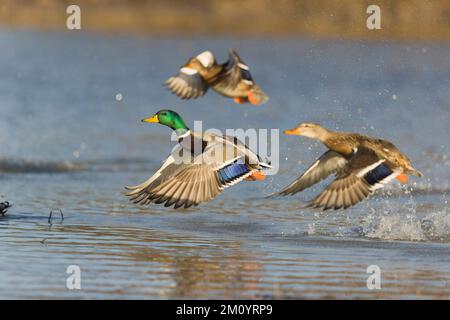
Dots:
(400, 19)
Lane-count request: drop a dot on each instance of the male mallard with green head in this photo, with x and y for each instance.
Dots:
(360, 163)
(4, 207)
(200, 167)
(231, 79)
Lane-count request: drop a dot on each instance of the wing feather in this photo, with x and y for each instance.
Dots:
(189, 184)
(358, 179)
(236, 79)
(187, 84)
(329, 163)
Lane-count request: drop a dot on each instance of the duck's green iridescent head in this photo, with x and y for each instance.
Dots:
(168, 118)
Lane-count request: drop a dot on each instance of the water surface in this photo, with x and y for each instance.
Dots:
(67, 143)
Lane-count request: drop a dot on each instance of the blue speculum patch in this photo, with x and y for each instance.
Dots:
(232, 172)
(378, 174)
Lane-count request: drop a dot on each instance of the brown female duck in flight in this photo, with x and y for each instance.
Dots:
(360, 163)
(231, 79)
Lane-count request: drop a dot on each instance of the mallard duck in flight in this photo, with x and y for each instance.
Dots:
(200, 167)
(231, 79)
(361, 164)
(4, 207)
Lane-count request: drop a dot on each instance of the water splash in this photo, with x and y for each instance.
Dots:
(408, 224)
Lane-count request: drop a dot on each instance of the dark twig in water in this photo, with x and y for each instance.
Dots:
(4, 207)
(51, 213)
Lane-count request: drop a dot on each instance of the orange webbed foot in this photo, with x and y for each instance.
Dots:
(252, 98)
(403, 178)
(256, 176)
(240, 100)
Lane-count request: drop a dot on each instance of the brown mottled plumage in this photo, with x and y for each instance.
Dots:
(360, 163)
(231, 79)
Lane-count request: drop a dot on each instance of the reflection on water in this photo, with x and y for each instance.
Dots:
(129, 261)
(24, 166)
(67, 143)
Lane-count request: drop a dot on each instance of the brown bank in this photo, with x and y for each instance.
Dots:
(401, 19)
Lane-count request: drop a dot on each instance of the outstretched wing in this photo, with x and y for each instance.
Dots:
(328, 163)
(187, 84)
(364, 173)
(167, 169)
(189, 184)
(235, 73)
(195, 184)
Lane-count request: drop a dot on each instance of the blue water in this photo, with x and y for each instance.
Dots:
(66, 142)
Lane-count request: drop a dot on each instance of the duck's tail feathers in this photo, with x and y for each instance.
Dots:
(256, 96)
(265, 165)
(414, 172)
(272, 195)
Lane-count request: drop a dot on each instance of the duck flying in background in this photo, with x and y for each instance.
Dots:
(361, 165)
(200, 167)
(4, 207)
(231, 79)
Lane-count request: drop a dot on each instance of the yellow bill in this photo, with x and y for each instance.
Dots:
(153, 119)
(295, 131)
